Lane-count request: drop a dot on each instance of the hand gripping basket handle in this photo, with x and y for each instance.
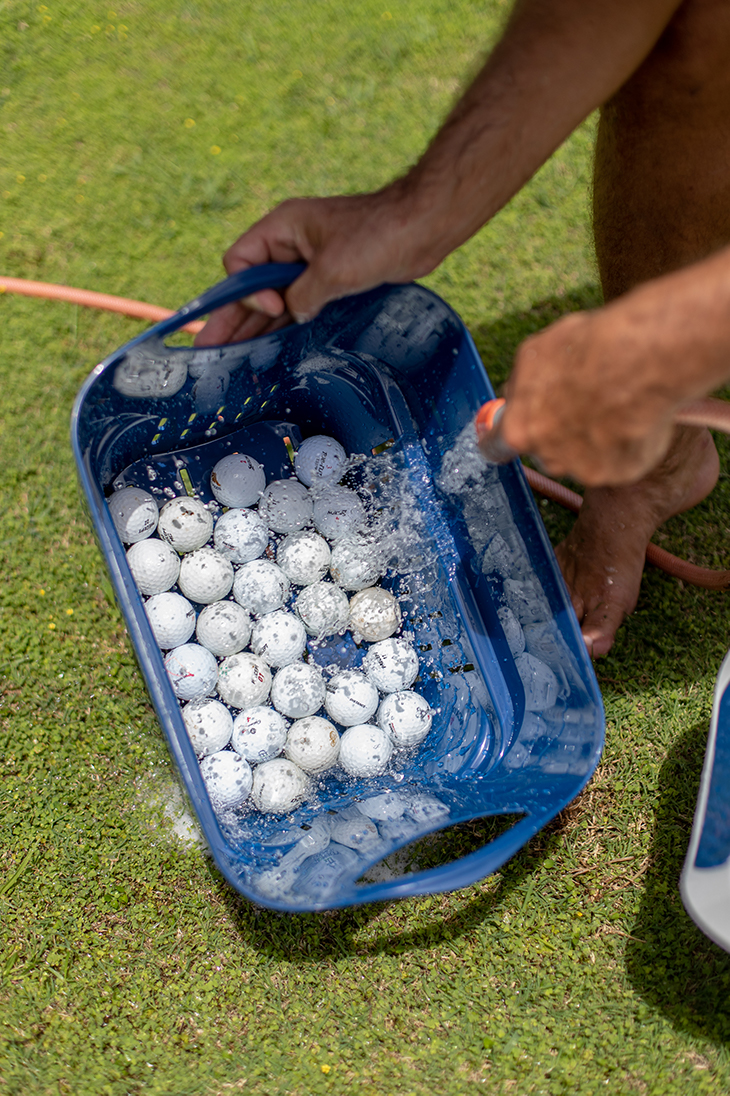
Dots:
(242, 284)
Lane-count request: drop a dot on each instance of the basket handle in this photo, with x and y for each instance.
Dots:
(242, 284)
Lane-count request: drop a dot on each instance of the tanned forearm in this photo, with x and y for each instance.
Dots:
(557, 61)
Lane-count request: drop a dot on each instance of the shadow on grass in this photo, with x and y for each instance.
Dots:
(670, 962)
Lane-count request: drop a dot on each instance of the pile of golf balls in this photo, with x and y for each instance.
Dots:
(236, 591)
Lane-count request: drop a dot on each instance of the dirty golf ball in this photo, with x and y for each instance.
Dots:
(355, 564)
(391, 665)
(261, 586)
(185, 524)
(286, 506)
(338, 512)
(406, 717)
(278, 786)
(259, 734)
(228, 779)
(240, 536)
(298, 690)
(172, 619)
(243, 680)
(205, 576)
(134, 513)
(142, 376)
(279, 638)
(237, 480)
(209, 725)
(313, 744)
(351, 698)
(224, 628)
(365, 750)
(374, 614)
(192, 670)
(304, 557)
(319, 457)
(155, 566)
(323, 609)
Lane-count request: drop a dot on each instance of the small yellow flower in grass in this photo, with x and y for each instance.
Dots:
(52, 626)
(42, 593)
(20, 178)
(215, 150)
(325, 1068)
(6, 194)
(42, 7)
(46, 18)
(95, 29)
(69, 612)
(189, 123)
(330, 100)
(172, 224)
(386, 15)
(80, 198)
(111, 15)
(2, 287)
(297, 74)
(42, 178)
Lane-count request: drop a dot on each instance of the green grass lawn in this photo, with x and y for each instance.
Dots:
(136, 143)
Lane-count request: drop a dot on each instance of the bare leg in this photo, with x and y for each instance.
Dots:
(661, 201)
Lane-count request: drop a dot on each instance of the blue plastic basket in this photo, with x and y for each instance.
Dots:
(392, 368)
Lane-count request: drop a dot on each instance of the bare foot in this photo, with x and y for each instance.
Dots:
(602, 558)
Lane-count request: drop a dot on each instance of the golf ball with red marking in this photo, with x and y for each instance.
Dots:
(259, 734)
(338, 512)
(134, 513)
(185, 524)
(155, 566)
(192, 670)
(244, 680)
(237, 480)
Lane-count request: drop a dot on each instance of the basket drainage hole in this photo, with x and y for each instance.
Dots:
(440, 848)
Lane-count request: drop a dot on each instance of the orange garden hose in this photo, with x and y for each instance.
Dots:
(701, 413)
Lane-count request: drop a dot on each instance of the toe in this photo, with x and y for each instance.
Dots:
(599, 627)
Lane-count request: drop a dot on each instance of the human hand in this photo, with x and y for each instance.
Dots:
(594, 395)
(349, 243)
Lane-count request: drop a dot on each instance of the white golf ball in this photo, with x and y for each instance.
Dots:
(155, 566)
(304, 557)
(237, 480)
(313, 744)
(319, 457)
(406, 716)
(185, 524)
(298, 690)
(374, 614)
(391, 665)
(356, 564)
(323, 609)
(192, 670)
(227, 778)
(351, 698)
(224, 628)
(286, 506)
(209, 725)
(279, 638)
(134, 513)
(261, 586)
(278, 786)
(143, 376)
(240, 535)
(172, 619)
(365, 750)
(205, 576)
(259, 734)
(338, 512)
(243, 680)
